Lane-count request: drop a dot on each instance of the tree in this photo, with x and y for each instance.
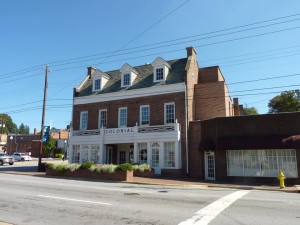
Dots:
(49, 146)
(287, 101)
(250, 111)
(23, 129)
(10, 126)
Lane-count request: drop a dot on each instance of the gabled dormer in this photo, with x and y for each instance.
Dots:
(161, 69)
(99, 80)
(128, 75)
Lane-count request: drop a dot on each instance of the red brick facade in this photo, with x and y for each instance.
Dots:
(241, 132)
(204, 95)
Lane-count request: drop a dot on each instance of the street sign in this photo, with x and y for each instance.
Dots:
(46, 135)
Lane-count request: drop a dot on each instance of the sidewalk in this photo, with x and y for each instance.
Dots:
(205, 184)
(191, 183)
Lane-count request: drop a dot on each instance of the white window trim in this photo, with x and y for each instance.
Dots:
(123, 75)
(155, 75)
(99, 120)
(165, 112)
(141, 115)
(120, 117)
(87, 117)
(94, 80)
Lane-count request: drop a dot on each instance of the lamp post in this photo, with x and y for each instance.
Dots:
(65, 142)
(2, 126)
(10, 138)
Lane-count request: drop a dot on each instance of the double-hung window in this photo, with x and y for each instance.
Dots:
(97, 84)
(123, 117)
(144, 115)
(83, 120)
(159, 74)
(102, 118)
(126, 79)
(169, 113)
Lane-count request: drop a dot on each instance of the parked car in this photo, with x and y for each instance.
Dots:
(4, 158)
(18, 156)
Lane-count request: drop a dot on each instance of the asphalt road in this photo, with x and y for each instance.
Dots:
(43, 200)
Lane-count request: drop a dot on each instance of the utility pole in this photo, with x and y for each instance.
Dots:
(40, 168)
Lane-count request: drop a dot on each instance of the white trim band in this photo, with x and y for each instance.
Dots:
(127, 94)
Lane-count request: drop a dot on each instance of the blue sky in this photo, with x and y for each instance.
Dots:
(35, 33)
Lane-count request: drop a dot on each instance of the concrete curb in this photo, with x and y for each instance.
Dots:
(166, 182)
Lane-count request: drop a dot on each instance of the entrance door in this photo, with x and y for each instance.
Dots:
(209, 165)
(155, 158)
(122, 157)
(109, 154)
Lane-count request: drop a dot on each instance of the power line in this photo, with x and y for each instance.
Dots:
(218, 31)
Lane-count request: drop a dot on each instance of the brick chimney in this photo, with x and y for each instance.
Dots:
(191, 51)
(236, 108)
(90, 70)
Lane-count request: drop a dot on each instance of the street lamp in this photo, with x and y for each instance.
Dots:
(2, 126)
(10, 138)
(65, 142)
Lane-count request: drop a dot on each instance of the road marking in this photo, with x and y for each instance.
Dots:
(207, 214)
(75, 200)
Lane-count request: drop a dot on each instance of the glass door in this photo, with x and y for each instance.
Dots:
(209, 165)
(109, 155)
(155, 149)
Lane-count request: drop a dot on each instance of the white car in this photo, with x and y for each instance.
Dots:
(4, 158)
(18, 156)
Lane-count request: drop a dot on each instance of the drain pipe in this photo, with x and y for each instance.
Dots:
(186, 132)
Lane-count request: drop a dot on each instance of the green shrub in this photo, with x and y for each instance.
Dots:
(72, 167)
(107, 168)
(141, 168)
(124, 167)
(93, 168)
(49, 165)
(60, 168)
(86, 165)
(59, 155)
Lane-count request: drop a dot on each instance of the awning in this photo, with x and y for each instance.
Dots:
(291, 139)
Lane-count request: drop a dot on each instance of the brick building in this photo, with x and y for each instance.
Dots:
(141, 114)
(246, 148)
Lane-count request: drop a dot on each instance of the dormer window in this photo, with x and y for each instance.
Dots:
(126, 79)
(97, 84)
(99, 80)
(159, 74)
(128, 75)
(160, 70)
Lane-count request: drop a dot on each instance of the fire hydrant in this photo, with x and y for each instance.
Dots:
(281, 178)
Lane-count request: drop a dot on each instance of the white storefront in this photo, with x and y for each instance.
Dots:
(157, 146)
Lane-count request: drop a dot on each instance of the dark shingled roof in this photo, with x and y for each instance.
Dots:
(144, 79)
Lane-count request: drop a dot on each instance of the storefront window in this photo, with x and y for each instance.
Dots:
(262, 163)
(95, 153)
(142, 147)
(76, 154)
(169, 154)
(84, 153)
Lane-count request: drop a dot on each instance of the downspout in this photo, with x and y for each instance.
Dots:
(186, 132)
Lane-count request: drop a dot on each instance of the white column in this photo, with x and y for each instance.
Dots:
(70, 153)
(161, 154)
(177, 154)
(100, 154)
(80, 157)
(135, 152)
(149, 153)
